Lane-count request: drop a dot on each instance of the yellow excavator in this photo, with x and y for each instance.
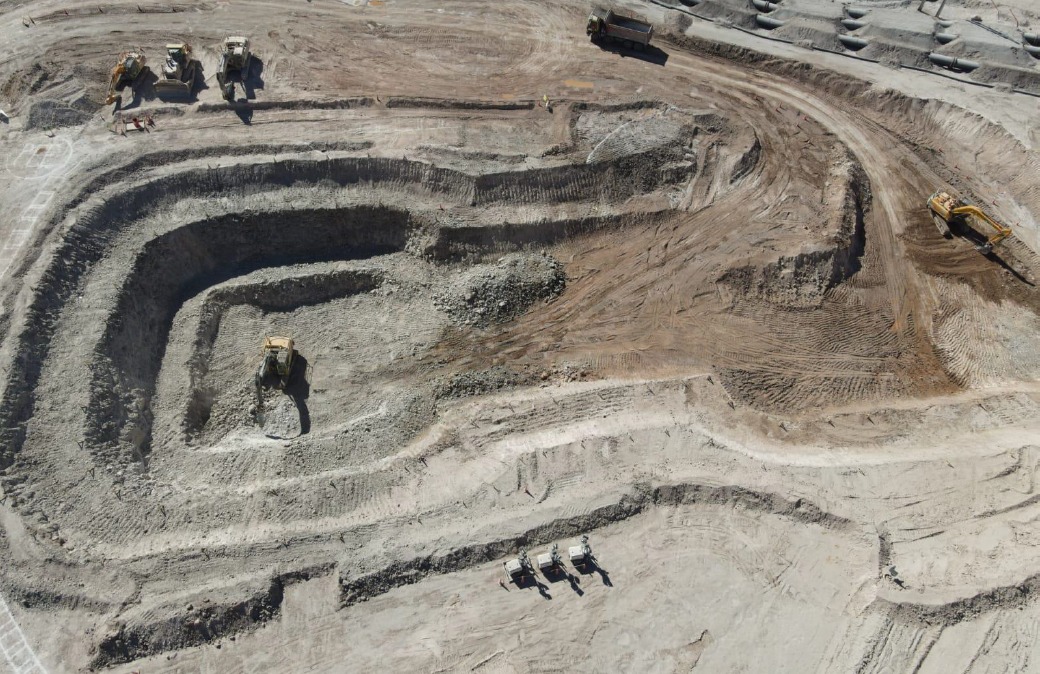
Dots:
(127, 71)
(950, 213)
(235, 61)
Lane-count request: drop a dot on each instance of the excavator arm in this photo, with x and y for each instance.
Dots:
(227, 88)
(1002, 231)
(117, 75)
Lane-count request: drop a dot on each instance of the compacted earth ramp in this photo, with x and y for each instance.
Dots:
(687, 302)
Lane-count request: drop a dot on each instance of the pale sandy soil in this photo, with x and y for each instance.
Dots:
(698, 311)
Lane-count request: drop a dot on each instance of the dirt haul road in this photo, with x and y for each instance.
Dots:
(696, 310)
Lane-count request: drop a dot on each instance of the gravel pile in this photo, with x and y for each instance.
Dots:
(49, 114)
(496, 293)
(466, 384)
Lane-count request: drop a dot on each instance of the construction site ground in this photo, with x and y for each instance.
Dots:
(695, 308)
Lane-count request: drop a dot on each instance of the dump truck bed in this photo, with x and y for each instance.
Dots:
(630, 24)
(620, 27)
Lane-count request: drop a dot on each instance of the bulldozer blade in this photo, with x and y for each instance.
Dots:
(172, 90)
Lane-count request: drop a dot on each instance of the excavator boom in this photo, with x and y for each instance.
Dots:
(117, 75)
(1002, 231)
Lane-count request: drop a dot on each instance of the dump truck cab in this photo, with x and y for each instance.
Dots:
(597, 21)
(177, 52)
(177, 56)
(237, 49)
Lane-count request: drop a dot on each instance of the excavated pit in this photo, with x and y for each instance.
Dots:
(689, 302)
(273, 296)
(454, 303)
(179, 293)
(173, 266)
(132, 347)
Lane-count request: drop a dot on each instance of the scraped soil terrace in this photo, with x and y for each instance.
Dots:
(511, 331)
(138, 265)
(167, 421)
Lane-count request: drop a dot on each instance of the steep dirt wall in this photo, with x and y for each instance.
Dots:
(179, 264)
(96, 227)
(282, 295)
(358, 588)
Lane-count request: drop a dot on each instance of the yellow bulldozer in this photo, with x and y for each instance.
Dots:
(278, 355)
(951, 215)
(128, 70)
(178, 73)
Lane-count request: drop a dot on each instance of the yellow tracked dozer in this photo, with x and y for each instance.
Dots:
(178, 73)
(278, 354)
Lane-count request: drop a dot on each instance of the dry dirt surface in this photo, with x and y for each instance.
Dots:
(694, 308)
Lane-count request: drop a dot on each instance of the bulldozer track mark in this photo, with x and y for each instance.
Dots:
(770, 254)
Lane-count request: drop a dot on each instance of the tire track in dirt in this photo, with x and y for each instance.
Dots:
(667, 314)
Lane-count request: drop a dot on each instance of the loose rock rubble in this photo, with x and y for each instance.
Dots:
(495, 293)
